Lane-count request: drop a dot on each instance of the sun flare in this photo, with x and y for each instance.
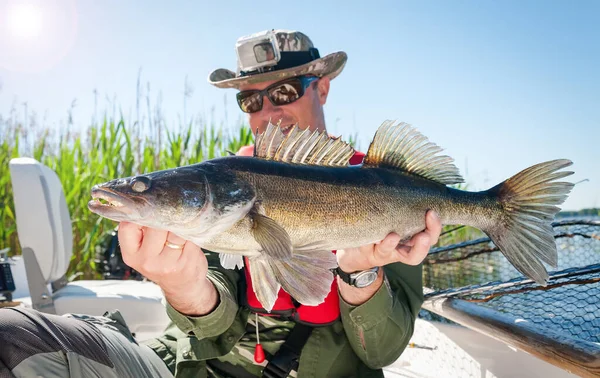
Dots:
(36, 35)
(24, 21)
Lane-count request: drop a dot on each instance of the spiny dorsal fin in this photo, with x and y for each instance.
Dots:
(401, 146)
(302, 147)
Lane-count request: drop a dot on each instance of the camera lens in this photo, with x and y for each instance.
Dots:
(264, 52)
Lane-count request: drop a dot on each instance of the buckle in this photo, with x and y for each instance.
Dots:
(287, 357)
(280, 366)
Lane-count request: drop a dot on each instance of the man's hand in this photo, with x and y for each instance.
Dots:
(389, 251)
(386, 252)
(180, 272)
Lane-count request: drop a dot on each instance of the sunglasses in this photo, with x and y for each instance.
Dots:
(281, 93)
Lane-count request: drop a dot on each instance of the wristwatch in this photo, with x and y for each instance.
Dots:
(358, 279)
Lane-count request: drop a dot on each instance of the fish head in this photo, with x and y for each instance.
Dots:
(186, 200)
(160, 198)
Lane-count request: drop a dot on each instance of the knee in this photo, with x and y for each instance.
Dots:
(13, 323)
(26, 332)
(20, 326)
(18, 336)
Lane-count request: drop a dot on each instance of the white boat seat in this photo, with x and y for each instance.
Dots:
(46, 239)
(140, 303)
(42, 216)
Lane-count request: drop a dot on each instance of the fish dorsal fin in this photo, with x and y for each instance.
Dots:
(302, 147)
(400, 146)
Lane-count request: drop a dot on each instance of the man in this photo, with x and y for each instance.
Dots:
(218, 326)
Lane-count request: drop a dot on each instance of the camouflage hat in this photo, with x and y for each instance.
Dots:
(297, 56)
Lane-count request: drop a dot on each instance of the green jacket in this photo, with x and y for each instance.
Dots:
(365, 338)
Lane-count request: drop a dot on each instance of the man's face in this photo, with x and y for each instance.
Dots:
(307, 111)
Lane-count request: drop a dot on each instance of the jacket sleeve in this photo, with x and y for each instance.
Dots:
(379, 329)
(222, 317)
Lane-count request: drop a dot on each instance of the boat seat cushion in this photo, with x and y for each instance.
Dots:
(140, 303)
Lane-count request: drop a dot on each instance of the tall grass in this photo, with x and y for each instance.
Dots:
(100, 153)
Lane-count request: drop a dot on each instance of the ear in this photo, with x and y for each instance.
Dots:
(323, 90)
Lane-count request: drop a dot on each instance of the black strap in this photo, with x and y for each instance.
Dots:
(287, 357)
(343, 275)
(289, 59)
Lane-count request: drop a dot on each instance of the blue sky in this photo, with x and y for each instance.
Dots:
(500, 85)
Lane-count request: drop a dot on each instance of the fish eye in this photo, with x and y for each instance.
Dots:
(140, 184)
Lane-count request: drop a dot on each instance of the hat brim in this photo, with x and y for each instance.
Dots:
(330, 65)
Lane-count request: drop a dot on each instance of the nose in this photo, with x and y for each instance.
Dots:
(267, 105)
(269, 111)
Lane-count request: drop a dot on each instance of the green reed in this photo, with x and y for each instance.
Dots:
(100, 153)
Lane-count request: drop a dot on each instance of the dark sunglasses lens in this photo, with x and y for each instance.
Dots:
(250, 103)
(287, 92)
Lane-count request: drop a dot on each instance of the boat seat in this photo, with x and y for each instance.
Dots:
(46, 239)
(138, 302)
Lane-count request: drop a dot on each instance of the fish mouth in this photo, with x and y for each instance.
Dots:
(112, 205)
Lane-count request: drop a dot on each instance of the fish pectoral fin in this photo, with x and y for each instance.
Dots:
(274, 240)
(400, 146)
(230, 261)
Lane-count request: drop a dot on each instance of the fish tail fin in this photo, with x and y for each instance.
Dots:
(529, 202)
(307, 276)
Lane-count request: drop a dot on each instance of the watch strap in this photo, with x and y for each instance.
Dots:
(348, 277)
(344, 276)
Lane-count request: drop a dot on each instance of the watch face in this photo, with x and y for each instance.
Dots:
(365, 279)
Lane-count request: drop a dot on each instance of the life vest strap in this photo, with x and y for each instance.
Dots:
(288, 356)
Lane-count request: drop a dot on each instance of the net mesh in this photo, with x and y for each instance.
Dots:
(476, 271)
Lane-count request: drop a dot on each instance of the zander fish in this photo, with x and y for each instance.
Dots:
(297, 199)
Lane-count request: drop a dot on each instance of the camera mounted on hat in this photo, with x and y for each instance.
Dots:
(260, 52)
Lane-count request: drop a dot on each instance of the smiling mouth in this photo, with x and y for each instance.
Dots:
(287, 128)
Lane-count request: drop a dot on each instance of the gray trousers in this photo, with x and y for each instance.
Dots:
(35, 344)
